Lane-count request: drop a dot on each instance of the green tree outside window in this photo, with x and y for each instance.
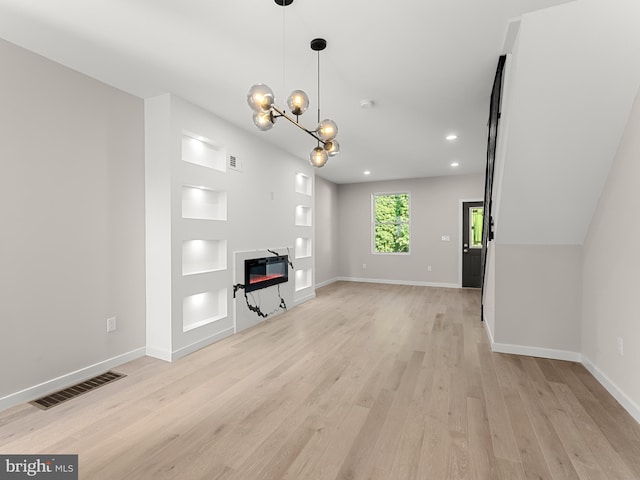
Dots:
(391, 223)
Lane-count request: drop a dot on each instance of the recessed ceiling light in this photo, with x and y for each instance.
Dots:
(455, 164)
(451, 136)
(366, 172)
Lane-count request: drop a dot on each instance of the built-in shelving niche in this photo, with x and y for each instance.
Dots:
(202, 256)
(303, 184)
(203, 308)
(204, 152)
(204, 203)
(303, 216)
(303, 247)
(303, 279)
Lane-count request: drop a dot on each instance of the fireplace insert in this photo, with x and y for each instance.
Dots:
(264, 272)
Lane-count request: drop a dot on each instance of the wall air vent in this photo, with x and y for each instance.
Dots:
(234, 163)
(57, 398)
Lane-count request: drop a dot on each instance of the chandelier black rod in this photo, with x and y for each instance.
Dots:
(282, 113)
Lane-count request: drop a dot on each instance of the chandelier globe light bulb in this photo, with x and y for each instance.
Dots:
(332, 148)
(263, 120)
(327, 130)
(260, 97)
(298, 102)
(318, 157)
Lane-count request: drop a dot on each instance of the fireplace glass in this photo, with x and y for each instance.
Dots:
(264, 272)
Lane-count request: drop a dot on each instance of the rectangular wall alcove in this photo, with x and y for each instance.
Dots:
(303, 247)
(200, 256)
(203, 308)
(303, 184)
(202, 152)
(303, 279)
(303, 216)
(203, 203)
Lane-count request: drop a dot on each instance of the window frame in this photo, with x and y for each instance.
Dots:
(374, 224)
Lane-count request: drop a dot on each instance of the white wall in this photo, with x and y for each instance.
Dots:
(435, 211)
(611, 280)
(72, 216)
(326, 231)
(539, 290)
(570, 88)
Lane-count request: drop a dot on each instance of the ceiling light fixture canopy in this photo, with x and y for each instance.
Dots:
(261, 99)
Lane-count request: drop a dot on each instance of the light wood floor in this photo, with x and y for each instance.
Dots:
(364, 382)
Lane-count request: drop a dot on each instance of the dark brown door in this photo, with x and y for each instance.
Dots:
(472, 215)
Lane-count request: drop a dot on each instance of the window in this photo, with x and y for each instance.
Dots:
(476, 218)
(391, 223)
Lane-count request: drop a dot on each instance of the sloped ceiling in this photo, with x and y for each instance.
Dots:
(427, 64)
(572, 80)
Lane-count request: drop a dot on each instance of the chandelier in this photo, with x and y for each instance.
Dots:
(261, 99)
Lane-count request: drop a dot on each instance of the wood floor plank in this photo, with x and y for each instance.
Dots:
(279, 456)
(582, 458)
(608, 459)
(480, 449)
(357, 459)
(386, 447)
(366, 381)
(433, 459)
(502, 437)
(614, 422)
(537, 397)
(531, 456)
(457, 414)
(508, 470)
(327, 449)
(406, 463)
(458, 463)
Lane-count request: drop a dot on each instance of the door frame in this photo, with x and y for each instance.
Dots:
(461, 203)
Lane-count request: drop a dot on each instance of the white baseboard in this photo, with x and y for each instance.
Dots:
(536, 352)
(327, 282)
(398, 282)
(158, 353)
(530, 351)
(629, 405)
(64, 381)
(487, 329)
(205, 342)
(306, 298)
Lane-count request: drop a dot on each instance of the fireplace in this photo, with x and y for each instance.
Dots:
(264, 272)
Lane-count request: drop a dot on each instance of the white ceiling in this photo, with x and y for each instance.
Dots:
(427, 64)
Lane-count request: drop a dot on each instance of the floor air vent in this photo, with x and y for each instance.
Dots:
(57, 398)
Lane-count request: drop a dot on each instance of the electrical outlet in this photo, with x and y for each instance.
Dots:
(364, 266)
(111, 324)
(620, 344)
(429, 268)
